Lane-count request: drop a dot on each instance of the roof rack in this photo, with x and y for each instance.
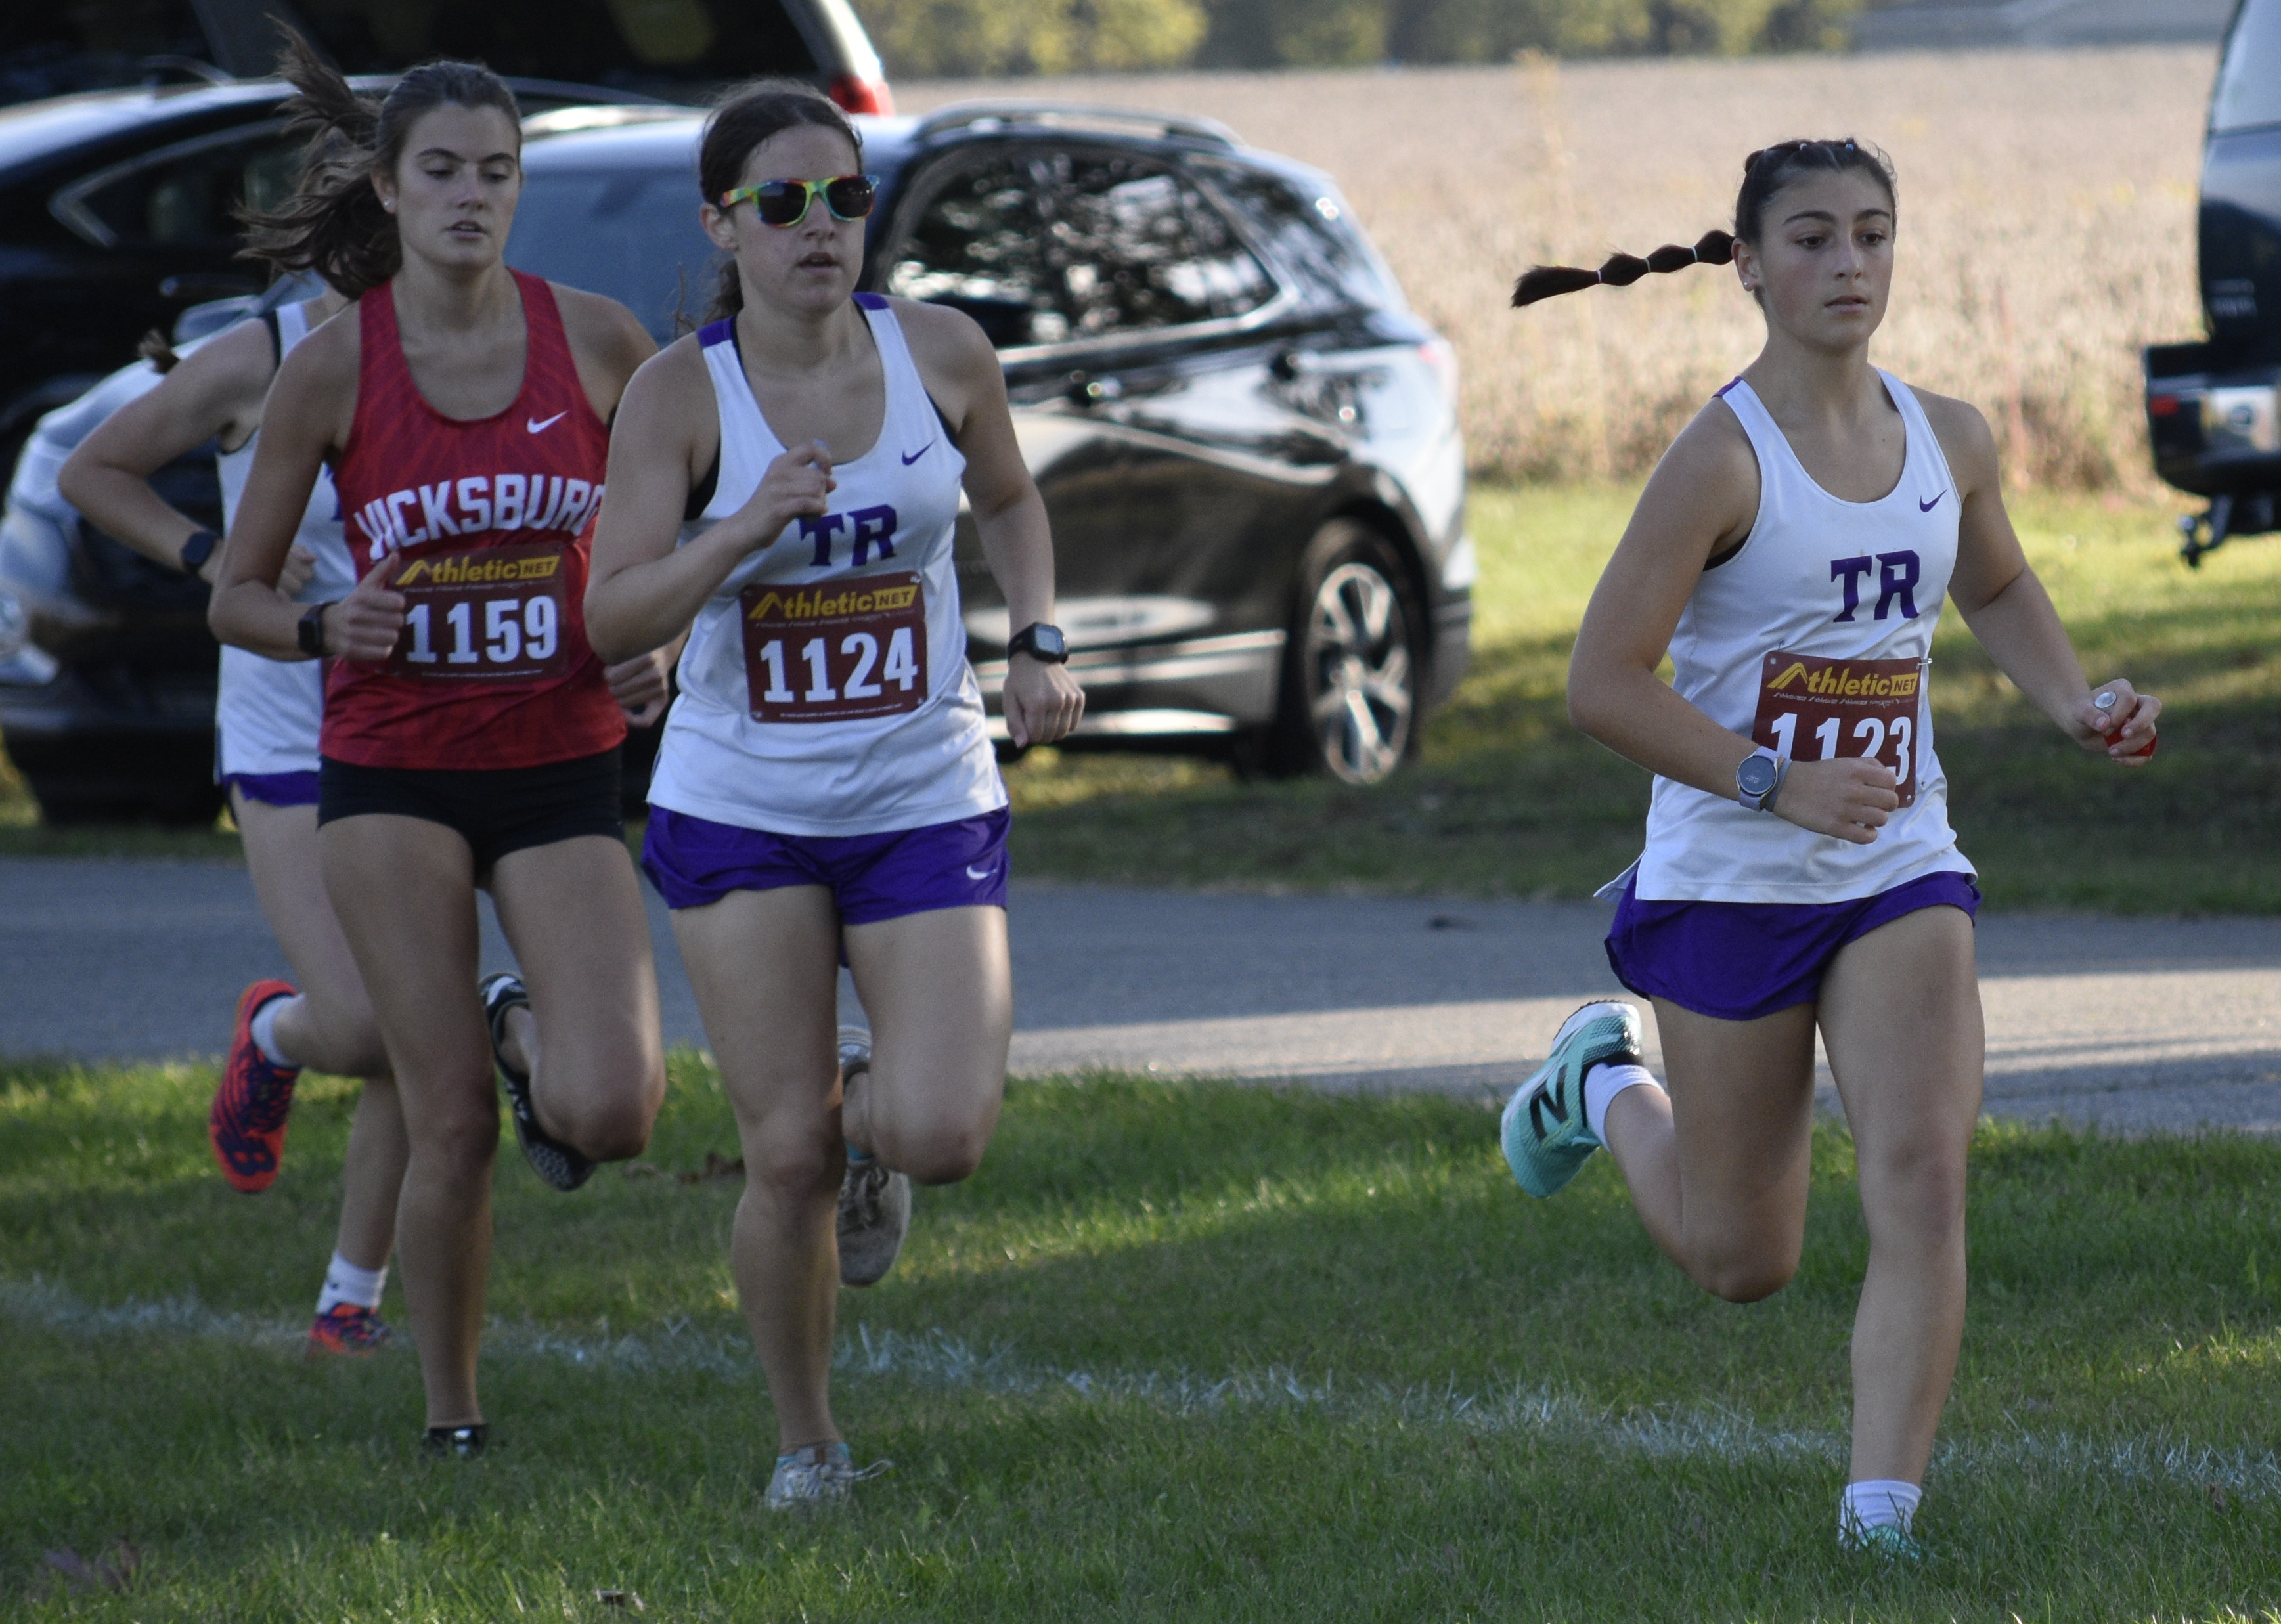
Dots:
(968, 115)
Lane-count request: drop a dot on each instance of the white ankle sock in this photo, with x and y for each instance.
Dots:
(1876, 1502)
(265, 1033)
(344, 1282)
(1603, 1083)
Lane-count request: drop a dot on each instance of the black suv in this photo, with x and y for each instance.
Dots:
(1247, 442)
(2213, 409)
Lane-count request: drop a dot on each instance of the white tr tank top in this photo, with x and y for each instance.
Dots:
(1826, 579)
(267, 714)
(826, 689)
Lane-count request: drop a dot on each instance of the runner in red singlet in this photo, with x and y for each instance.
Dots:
(470, 735)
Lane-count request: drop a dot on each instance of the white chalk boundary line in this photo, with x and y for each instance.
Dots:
(937, 1359)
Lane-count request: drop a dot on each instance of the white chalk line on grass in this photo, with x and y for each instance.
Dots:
(937, 1359)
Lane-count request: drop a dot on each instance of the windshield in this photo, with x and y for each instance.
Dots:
(630, 234)
(2249, 79)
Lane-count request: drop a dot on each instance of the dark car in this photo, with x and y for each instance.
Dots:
(1246, 441)
(2213, 409)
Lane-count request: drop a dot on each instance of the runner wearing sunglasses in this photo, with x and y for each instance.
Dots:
(1791, 553)
(826, 775)
(470, 737)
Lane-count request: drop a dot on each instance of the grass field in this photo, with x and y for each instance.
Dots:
(2046, 227)
(1508, 799)
(1192, 1352)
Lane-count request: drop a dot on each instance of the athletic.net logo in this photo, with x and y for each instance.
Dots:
(470, 506)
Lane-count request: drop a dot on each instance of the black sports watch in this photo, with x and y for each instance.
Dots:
(198, 549)
(1040, 642)
(310, 633)
(1758, 779)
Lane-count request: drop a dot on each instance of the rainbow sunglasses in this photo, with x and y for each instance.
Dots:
(786, 203)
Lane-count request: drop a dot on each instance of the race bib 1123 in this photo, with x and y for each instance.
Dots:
(1812, 710)
(836, 651)
(484, 613)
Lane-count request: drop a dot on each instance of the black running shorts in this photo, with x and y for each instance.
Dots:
(496, 811)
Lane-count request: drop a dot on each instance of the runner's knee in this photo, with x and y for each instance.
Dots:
(1746, 1268)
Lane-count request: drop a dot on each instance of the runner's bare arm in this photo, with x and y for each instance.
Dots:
(1701, 501)
(644, 591)
(1042, 701)
(2002, 599)
(213, 392)
(307, 419)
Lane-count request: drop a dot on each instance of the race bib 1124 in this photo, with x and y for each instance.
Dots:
(1812, 710)
(835, 651)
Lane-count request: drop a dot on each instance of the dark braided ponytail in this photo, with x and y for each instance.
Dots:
(1765, 173)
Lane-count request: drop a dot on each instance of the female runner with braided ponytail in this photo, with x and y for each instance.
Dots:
(1791, 554)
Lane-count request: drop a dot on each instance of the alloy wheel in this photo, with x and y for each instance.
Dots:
(1361, 676)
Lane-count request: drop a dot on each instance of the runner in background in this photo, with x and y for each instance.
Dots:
(470, 737)
(1791, 553)
(267, 717)
(826, 774)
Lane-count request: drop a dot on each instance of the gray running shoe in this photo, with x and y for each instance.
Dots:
(875, 1203)
(1545, 1134)
(816, 1474)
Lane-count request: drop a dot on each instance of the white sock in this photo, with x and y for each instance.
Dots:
(265, 1034)
(1876, 1502)
(344, 1282)
(1603, 1083)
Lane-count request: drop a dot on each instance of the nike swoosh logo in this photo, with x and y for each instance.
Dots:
(972, 872)
(1929, 506)
(538, 427)
(921, 451)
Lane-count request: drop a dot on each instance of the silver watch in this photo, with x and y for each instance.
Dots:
(1758, 779)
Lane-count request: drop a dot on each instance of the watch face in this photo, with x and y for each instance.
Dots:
(1048, 641)
(1756, 775)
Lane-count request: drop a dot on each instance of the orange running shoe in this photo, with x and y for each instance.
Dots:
(247, 1122)
(348, 1330)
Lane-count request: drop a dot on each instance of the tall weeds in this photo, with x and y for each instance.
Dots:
(2047, 228)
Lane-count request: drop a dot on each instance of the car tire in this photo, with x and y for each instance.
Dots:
(191, 804)
(1352, 662)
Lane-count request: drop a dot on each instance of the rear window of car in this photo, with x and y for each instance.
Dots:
(2249, 79)
(1310, 230)
(630, 234)
(656, 47)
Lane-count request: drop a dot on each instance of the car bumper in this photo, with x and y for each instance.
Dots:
(2215, 429)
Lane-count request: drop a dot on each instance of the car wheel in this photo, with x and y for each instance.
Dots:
(1351, 666)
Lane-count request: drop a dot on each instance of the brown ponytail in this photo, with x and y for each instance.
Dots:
(1765, 173)
(334, 223)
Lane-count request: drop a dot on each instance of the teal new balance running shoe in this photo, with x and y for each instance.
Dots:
(1546, 1134)
(1888, 1544)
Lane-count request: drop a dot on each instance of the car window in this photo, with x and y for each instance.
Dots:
(979, 245)
(1309, 230)
(652, 46)
(1137, 247)
(185, 196)
(630, 236)
(90, 44)
(2249, 79)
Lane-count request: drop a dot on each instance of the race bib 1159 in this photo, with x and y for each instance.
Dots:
(837, 651)
(486, 613)
(1812, 710)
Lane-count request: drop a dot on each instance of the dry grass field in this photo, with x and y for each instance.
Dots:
(2046, 227)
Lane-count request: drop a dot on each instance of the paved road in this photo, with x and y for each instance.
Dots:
(2127, 1023)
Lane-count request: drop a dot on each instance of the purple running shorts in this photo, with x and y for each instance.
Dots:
(694, 861)
(1739, 961)
(275, 789)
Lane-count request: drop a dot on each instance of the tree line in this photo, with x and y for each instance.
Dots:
(954, 38)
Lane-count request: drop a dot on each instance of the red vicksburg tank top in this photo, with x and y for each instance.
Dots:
(484, 524)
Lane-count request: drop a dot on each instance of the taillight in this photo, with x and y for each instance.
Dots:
(856, 94)
(1441, 358)
(2161, 405)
